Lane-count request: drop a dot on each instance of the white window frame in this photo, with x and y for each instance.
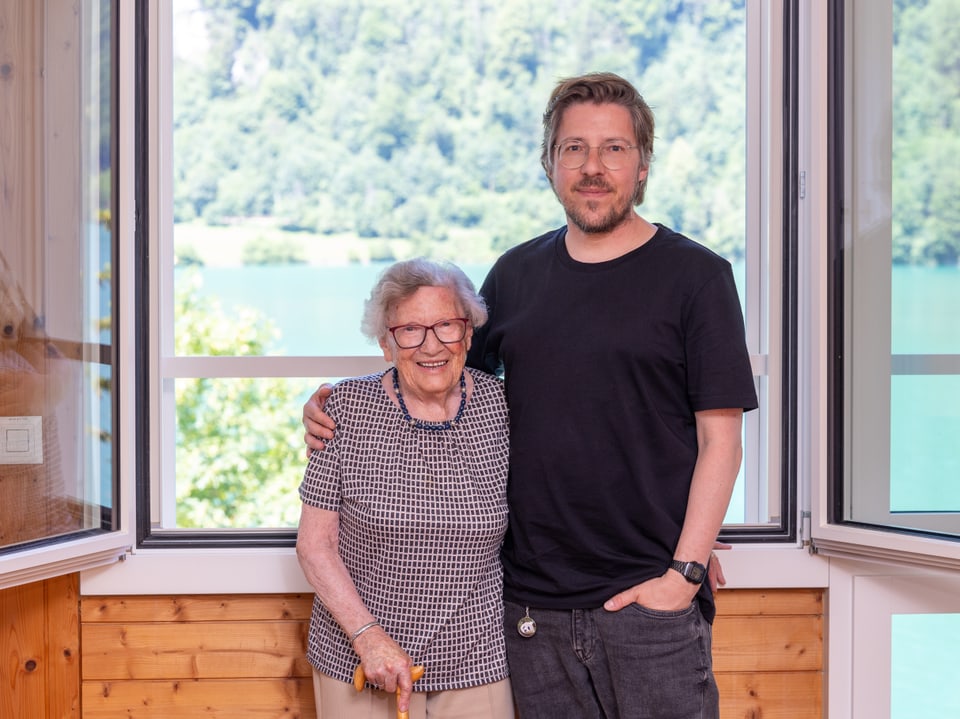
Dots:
(831, 536)
(45, 560)
(763, 223)
(156, 569)
(859, 652)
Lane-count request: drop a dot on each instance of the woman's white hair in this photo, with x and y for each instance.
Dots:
(402, 279)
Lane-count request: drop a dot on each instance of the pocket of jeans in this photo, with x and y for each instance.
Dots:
(662, 613)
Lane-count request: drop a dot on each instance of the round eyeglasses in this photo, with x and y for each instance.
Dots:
(572, 154)
(410, 336)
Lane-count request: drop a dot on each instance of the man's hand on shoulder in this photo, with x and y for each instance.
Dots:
(318, 425)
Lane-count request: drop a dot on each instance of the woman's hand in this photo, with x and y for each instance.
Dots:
(319, 426)
(360, 679)
(385, 665)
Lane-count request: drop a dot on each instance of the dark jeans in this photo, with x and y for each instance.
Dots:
(637, 663)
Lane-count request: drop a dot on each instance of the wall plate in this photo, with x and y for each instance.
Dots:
(21, 440)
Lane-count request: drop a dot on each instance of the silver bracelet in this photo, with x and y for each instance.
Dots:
(361, 630)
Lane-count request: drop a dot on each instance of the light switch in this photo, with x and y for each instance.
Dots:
(21, 440)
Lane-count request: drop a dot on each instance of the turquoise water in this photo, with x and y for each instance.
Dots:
(316, 309)
(317, 312)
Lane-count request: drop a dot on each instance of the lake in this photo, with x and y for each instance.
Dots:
(317, 309)
(317, 312)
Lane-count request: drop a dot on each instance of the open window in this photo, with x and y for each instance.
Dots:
(59, 289)
(895, 340)
(288, 165)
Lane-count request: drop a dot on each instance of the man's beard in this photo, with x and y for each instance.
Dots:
(588, 224)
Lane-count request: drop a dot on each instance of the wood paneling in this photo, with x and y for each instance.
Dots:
(242, 657)
(752, 644)
(205, 650)
(763, 602)
(768, 653)
(62, 620)
(771, 695)
(22, 650)
(231, 657)
(188, 656)
(39, 650)
(206, 608)
(208, 699)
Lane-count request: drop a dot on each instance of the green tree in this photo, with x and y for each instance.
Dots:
(420, 121)
(239, 452)
(926, 132)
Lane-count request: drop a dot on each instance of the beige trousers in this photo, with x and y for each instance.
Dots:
(339, 700)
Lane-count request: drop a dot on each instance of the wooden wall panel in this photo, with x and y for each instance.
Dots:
(206, 608)
(771, 695)
(751, 644)
(39, 657)
(21, 649)
(230, 657)
(208, 699)
(199, 656)
(242, 657)
(62, 620)
(208, 650)
(765, 602)
(768, 653)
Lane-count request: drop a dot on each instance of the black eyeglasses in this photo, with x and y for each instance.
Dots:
(572, 154)
(447, 331)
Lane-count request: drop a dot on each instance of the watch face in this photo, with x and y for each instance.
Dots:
(692, 571)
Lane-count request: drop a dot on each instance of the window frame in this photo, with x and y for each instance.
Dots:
(832, 534)
(85, 549)
(768, 440)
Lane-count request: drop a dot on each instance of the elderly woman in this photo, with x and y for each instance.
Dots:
(404, 512)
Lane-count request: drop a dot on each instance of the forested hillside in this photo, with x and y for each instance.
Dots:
(421, 119)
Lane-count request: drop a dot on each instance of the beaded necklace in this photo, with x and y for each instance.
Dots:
(423, 424)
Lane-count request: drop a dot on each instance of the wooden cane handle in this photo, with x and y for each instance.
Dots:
(359, 679)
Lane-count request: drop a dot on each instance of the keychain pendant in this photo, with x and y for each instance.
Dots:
(526, 626)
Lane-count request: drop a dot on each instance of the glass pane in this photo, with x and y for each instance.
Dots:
(902, 268)
(240, 456)
(300, 164)
(924, 461)
(925, 298)
(925, 287)
(926, 129)
(304, 162)
(923, 671)
(56, 245)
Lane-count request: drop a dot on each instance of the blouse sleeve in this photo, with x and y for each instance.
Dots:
(321, 485)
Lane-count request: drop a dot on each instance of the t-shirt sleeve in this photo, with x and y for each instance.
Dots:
(484, 353)
(719, 373)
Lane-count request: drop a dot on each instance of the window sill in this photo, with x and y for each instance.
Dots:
(269, 571)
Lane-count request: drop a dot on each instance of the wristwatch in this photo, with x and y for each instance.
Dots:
(693, 572)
